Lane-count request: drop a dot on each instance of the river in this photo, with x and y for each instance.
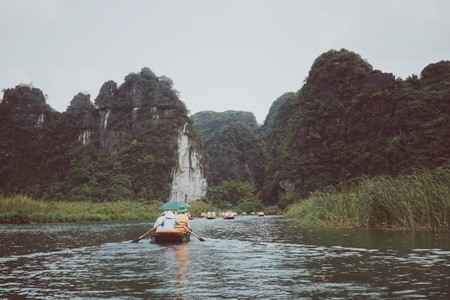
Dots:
(246, 258)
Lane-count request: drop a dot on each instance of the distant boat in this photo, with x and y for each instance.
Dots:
(211, 215)
(260, 214)
(229, 215)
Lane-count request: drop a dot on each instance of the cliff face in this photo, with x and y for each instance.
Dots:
(23, 138)
(189, 182)
(134, 135)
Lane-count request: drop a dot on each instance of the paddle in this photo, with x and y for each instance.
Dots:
(142, 236)
(190, 230)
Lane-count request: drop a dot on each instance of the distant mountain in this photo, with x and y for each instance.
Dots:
(208, 123)
(235, 150)
(236, 153)
(125, 146)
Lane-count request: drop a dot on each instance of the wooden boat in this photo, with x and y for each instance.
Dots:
(170, 236)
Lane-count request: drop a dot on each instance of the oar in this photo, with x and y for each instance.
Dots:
(142, 236)
(190, 230)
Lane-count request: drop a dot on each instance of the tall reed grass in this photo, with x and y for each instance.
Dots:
(22, 209)
(416, 202)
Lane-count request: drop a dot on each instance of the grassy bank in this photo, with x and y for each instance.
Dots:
(414, 202)
(22, 209)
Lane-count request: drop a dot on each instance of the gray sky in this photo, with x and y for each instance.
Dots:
(221, 55)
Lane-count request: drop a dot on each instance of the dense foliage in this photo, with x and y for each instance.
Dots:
(265, 130)
(236, 194)
(209, 123)
(235, 150)
(349, 121)
(236, 153)
(122, 147)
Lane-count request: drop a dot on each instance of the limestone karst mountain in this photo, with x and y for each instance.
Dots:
(132, 143)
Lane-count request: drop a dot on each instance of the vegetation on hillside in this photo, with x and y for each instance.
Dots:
(236, 153)
(122, 148)
(349, 121)
(209, 123)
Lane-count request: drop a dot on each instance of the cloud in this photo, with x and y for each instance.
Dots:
(30, 10)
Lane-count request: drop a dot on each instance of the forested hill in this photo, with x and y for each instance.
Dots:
(122, 146)
(235, 150)
(210, 122)
(349, 121)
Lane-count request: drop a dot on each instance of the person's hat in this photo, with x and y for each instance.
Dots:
(182, 210)
(170, 215)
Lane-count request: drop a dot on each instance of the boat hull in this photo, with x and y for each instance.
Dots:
(171, 236)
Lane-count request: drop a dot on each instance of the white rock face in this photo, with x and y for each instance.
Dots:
(104, 118)
(188, 183)
(40, 120)
(85, 137)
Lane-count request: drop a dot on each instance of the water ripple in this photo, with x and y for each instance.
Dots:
(248, 258)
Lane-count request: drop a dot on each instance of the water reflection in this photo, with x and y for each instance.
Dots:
(245, 258)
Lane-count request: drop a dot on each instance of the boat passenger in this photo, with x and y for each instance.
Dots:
(182, 219)
(167, 223)
(159, 221)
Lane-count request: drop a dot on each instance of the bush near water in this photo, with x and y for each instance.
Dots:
(418, 202)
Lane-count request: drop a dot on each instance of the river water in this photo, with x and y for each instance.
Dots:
(246, 258)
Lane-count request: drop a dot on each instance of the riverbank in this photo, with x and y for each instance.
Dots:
(22, 209)
(412, 202)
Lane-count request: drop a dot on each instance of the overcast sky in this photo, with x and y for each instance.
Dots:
(221, 55)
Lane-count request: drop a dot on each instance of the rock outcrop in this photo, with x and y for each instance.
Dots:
(136, 140)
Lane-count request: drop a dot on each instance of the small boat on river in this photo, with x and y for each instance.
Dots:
(170, 236)
(229, 215)
(260, 214)
(210, 215)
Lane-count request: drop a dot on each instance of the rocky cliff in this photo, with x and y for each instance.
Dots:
(189, 182)
(132, 141)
